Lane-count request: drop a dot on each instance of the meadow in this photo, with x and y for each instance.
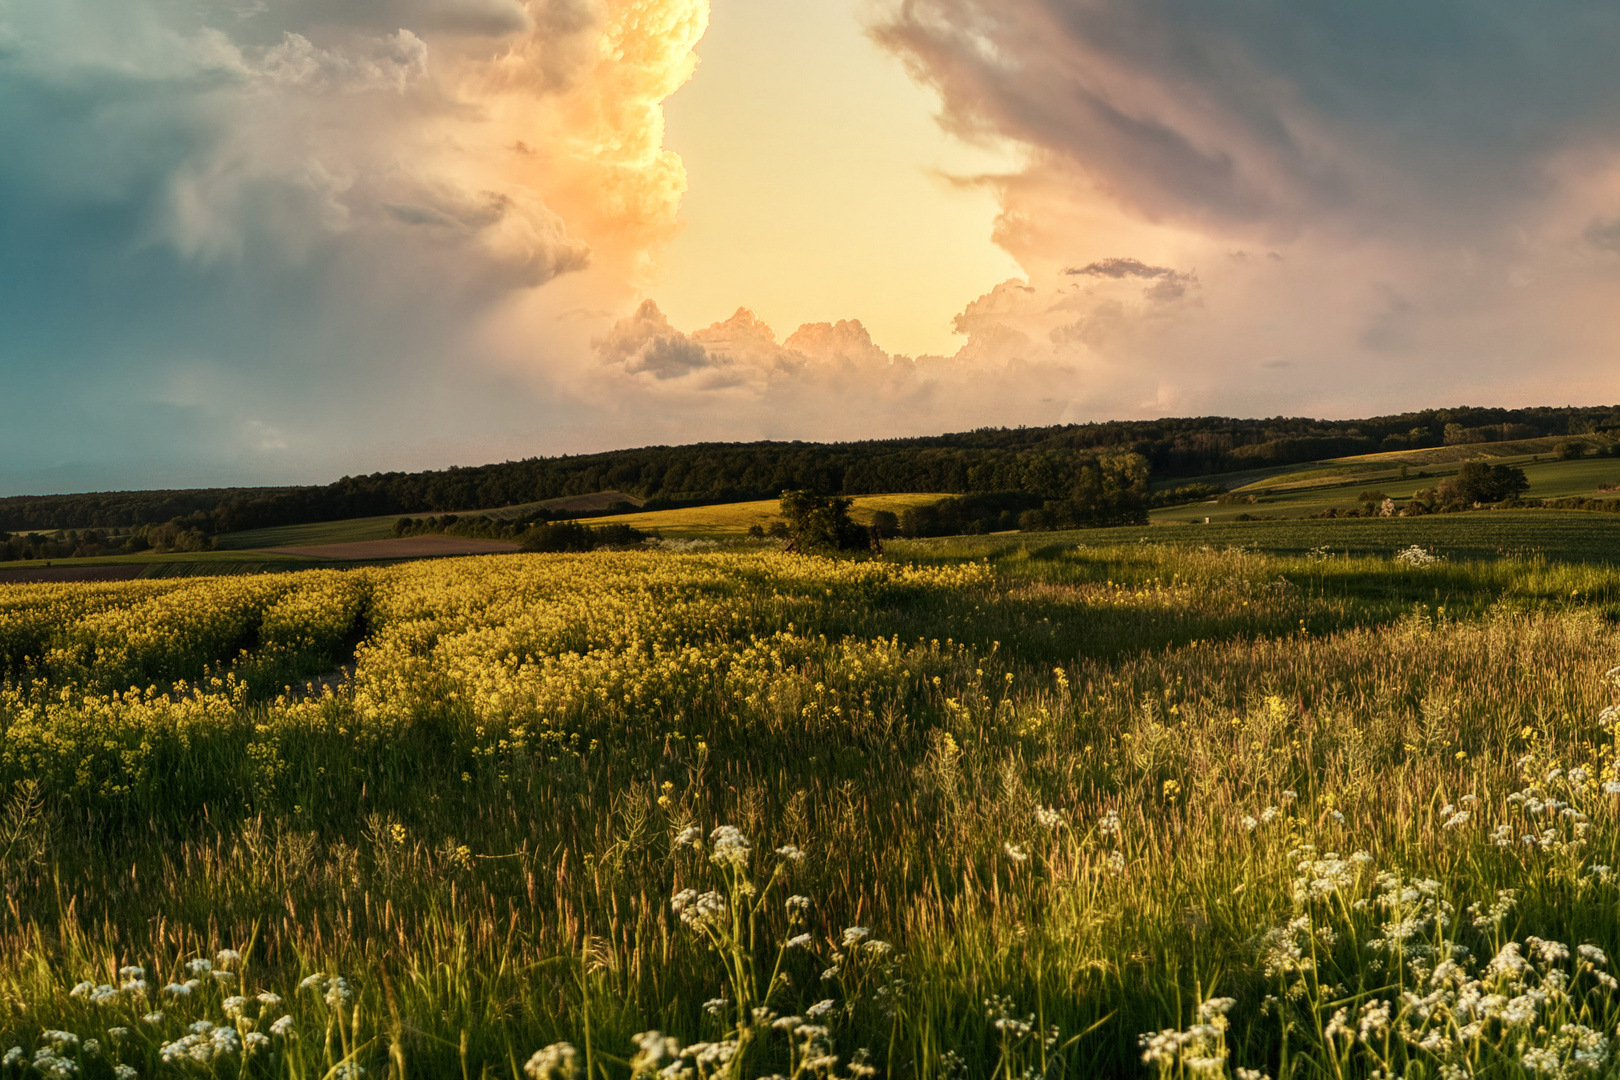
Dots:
(1299, 491)
(1056, 805)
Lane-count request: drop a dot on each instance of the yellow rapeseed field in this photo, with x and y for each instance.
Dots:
(982, 809)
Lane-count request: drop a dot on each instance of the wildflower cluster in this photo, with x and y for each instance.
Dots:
(1415, 556)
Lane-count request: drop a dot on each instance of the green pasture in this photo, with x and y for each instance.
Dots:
(1303, 490)
(350, 531)
(732, 520)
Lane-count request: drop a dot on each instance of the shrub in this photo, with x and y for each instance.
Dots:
(559, 536)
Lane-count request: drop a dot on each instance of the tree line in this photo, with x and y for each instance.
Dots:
(1062, 465)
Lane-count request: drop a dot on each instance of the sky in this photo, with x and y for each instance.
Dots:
(280, 241)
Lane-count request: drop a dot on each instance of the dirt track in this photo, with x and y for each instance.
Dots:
(405, 547)
(31, 574)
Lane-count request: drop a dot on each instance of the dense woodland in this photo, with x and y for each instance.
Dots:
(1064, 466)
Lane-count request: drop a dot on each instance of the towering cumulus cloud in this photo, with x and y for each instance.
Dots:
(232, 218)
(1418, 195)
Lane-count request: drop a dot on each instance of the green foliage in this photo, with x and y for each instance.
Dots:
(818, 523)
(574, 536)
(1108, 491)
(1041, 461)
(1569, 451)
(968, 515)
(1186, 493)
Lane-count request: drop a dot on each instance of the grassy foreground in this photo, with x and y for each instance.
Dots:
(1001, 810)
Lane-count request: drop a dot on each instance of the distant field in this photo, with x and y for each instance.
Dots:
(352, 531)
(152, 564)
(402, 547)
(694, 522)
(1303, 490)
(733, 519)
(1570, 536)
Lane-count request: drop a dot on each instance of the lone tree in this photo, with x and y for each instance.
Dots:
(817, 523)
(1477, 482)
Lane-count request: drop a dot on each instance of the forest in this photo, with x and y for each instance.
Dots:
(1050, 462)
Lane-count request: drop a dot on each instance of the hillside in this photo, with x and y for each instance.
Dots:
(1035, 460)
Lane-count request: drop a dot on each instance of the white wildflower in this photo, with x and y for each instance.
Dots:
(1015, 852)
(790, 852)
(559, 1061)
(268, 1000)
(283, 1027)
(1457, 820)
(691, 836)
(854, 935)
(1374, 1020)
(820, 1009)
(730, 847)
(698, 910)
(338, 994)
(1048, 818)
(1415, 556)
(798, 941)
(798, 903)
(1109, 825)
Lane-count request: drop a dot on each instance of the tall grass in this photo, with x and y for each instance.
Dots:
(1031, 810)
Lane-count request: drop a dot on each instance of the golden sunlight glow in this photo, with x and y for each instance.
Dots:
(820, 184)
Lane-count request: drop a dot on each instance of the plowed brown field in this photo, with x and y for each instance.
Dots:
(404, 547)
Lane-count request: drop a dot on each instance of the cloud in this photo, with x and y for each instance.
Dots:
(1276, 113)
(646, 343)
(314, 212)
(1604, 235)
(1122, 268)
(1427, 188)
(1168, 284)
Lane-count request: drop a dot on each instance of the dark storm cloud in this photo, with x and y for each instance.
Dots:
(1383, 115)
(1121, 268)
